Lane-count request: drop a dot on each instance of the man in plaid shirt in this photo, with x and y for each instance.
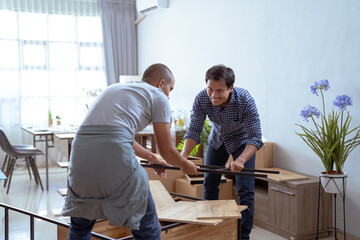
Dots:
(236, 130)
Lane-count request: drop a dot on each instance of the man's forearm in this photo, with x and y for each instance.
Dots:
(188, 147)
(142, 152)
(248, 152)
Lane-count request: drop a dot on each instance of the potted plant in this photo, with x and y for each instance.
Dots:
(203, 137)
(332, 140)
(50, 120)
(58, 120)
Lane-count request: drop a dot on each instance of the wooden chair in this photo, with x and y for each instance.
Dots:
(16, 152)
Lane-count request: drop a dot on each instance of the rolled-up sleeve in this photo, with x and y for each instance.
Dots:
(252, 123)
(198, 116)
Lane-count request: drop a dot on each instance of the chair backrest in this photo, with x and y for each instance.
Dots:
(5, 144)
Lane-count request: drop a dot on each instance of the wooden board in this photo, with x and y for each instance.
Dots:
(184, 212)
(211, 209)
(101, 227)
(226, 230)
(242, 208)
(264, 158)
(194, 179)
(285, 175)
(161, 196)
(196, 190)
(63, 164)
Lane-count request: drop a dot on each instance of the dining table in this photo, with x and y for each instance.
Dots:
(46, 135)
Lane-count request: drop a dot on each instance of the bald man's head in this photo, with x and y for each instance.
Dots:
(160, 76)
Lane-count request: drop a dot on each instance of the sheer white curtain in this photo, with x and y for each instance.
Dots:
(120, 45)
(50, 57)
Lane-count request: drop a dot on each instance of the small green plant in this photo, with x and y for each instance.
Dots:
(203, 137)
(57, 117)
(49, 115)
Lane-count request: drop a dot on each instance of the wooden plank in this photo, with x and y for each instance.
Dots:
(211, 209)
(99, 227)
(161, 196)
(226, 230)
(65, 135)
(242, 208)
(196, 190)
(194, 179)
(63, 164)
(285, 175)
(184, 212)
(264, 158)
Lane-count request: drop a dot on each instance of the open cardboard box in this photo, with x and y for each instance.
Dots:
(223, 229)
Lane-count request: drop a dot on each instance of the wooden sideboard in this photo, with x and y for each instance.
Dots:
(289, 209)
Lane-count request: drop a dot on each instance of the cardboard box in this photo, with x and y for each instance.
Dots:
(228, 229)
(265, 156)
(169, 181)
(99, 227)
(182, 186)
(171, 175)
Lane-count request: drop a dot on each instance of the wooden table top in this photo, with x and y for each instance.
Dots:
(65, 136)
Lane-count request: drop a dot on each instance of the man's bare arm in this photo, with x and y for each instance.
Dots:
(168, 150)
(188, 147)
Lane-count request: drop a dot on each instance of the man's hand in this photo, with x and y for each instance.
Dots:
(189, 168)
(236, 166)
(159, 172)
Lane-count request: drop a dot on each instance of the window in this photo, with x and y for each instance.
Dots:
(49, 61)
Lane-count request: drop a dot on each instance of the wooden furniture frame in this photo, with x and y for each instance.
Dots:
(289, 208)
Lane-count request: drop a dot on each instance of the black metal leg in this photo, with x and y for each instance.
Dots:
(335, 216)
(12, 164)
(32, 232)
(36, 174)
(7, 171)
(342, 192)
(28, 166)
(6, 223)
(344, 215)
(318, 215)
(4, 163)
(31, 163)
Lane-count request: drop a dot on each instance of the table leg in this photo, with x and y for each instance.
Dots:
(47, 163)
(69, 148)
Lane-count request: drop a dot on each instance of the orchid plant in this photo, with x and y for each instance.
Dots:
(330, 139)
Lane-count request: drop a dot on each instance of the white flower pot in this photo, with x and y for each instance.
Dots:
(334, 183)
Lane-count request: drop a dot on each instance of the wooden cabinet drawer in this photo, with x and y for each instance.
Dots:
(261, 212)
(283, 207)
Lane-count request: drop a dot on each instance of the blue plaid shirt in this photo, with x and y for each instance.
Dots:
(237, 124)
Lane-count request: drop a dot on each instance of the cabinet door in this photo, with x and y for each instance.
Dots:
(261, 211)
(283, 207)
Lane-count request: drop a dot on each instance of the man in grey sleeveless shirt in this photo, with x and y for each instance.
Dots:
(105, 181)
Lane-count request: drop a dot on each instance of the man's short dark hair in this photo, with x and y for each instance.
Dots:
(159, 70)
(219, 72)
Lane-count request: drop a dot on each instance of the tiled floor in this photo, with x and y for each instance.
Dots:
(25, 194)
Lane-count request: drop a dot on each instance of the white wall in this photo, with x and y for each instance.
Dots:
(277, 49)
